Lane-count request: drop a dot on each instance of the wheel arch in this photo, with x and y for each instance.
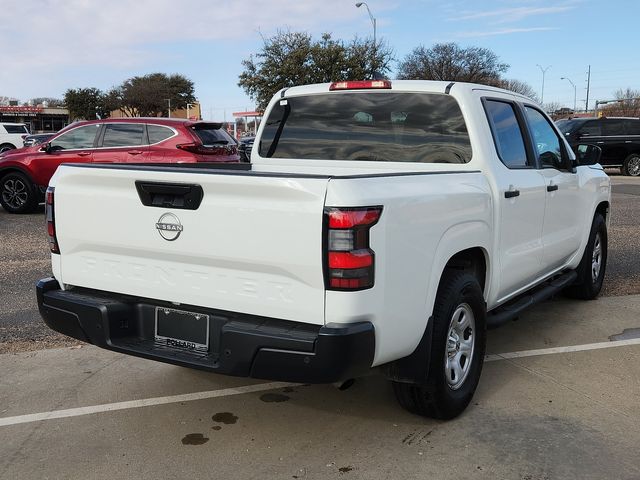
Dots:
(603, 209)
(415, 367)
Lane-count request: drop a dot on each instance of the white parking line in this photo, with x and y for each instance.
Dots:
(554, 350)
(145, 402)
(189, 397)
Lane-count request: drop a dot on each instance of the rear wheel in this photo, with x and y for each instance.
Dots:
(456, 354)
(17, 193)
(6, 146)
(631, 165)
(593, 264)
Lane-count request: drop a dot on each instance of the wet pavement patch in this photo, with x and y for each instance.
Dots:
(627, 334)
(345, 469)
(288, 390)
(216, 427)
(225, 417)
(274, 397)
(194, 439)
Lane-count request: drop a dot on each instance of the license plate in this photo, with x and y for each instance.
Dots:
(177, 328)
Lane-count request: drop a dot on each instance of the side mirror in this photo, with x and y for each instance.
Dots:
(46, 147)
(588, 154)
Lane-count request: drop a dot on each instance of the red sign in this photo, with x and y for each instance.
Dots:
(21, 109)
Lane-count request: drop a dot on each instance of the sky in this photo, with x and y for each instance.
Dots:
(49, 46)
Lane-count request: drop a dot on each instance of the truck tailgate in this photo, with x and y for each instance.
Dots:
(254, 245)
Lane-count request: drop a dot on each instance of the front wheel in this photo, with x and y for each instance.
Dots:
(456, 354)
(631, 165)
(593, 264)
(17, 193)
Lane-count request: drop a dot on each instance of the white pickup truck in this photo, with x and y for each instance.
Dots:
(379, 225)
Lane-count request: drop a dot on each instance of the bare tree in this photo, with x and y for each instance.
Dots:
(518, 86)
(4, 101)
(448, 61)
(628, 104)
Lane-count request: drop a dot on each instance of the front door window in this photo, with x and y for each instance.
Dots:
(76, 139)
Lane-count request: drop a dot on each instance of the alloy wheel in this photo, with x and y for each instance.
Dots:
(460, 346)
(15, 193)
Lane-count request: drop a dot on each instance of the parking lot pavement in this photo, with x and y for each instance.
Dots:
(556, 414)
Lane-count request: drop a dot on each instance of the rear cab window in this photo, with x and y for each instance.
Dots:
(371, 126)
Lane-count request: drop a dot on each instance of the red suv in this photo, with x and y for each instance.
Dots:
(25, 173)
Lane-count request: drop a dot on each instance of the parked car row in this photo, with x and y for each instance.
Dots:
(25, 173)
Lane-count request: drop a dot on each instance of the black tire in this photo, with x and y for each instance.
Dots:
(7, 146)
(17, 193)
(437, 397)
(589, 284)
(631, 166)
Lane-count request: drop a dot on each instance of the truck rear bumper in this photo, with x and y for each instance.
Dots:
(240, 345)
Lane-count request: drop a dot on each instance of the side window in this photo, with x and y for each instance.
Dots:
(591, 128)
(507, 134)
(633, 127)
(613, 127)
(78, 138)
(16, 129)
(545, 139)
(123, 135)
(157, 133)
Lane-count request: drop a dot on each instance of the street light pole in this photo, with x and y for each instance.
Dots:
(543, 70)
(188, 106)
(169, 112)
(375, 45)
(574, 91)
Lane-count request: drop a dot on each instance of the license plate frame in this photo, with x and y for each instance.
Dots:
(167, 329)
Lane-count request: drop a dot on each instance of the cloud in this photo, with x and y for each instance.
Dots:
(504, 31)
(506, 15)
(124, 33)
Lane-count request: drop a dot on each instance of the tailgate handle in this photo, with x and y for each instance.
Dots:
(184, 196)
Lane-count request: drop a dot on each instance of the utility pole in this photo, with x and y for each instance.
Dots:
(189, 105)
(586, 105)
(543, 70)
(169, 113)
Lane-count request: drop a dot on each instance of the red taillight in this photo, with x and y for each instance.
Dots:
(200, 149)
(349, 258)
(51, 220)
(360, 85)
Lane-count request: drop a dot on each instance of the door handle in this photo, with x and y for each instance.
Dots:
(84, 154)
(511, 193)
(185, 196)
(552, 188)
(134, 152)
(599, 143)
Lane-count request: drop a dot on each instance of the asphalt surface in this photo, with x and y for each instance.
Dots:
(558, 397)
(568, 411)
(24, 257)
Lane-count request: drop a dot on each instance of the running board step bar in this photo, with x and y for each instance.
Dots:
(514, 308)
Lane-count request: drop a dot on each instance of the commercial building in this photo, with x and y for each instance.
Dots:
(39, 119)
